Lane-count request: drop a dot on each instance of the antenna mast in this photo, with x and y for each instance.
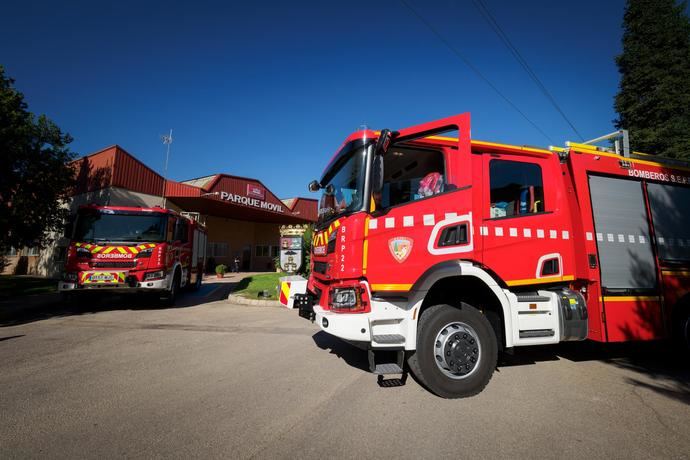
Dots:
(167, 140)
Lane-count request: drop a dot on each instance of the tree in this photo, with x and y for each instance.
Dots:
(35, 177)
(653, 102)
(306, 247)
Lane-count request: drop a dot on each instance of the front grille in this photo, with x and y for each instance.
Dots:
(320, 267)
(119, 264)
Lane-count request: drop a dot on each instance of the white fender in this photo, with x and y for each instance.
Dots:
(465, 269)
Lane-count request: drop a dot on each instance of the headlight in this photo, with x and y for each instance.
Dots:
(349, 300)
(146, 253)
(346, 298)
(83, 253)
(154, 275)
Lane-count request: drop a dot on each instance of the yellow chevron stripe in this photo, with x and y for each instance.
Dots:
(108, 250)
(121, 250)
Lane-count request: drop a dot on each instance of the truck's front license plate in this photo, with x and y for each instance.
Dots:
(105, 278)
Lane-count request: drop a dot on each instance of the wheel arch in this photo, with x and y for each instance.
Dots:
(454, 282)
(177, 267)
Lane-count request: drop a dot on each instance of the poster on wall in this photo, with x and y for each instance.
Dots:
(291, 253)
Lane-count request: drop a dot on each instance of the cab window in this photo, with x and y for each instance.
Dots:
(516, 189)
(409, 175)
(181, 230)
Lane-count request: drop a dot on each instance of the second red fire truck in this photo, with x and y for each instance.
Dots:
(438, 252)
(134, 249)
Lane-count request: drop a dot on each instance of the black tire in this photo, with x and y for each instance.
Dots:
(423, 363)
(197, 284)
(681, 331)
(171, 296)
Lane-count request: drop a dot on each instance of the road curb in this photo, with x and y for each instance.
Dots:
(253, 302)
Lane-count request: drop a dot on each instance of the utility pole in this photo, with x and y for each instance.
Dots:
(167, 140)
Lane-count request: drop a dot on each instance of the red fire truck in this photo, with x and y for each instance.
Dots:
(134, 249)
(439, 252)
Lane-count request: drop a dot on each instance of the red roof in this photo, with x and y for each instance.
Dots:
(225, 195)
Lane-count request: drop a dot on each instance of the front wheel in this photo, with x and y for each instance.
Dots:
(456, 351)
(171, 296)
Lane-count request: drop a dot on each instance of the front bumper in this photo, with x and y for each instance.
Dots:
(352, 327)
(162, 284)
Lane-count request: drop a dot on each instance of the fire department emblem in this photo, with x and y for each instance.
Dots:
(400, 248)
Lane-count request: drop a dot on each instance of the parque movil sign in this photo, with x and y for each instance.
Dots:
(249, 201)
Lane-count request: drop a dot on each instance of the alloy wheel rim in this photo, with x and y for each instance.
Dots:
(457, 350)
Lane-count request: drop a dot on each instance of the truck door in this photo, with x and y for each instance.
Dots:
(630, 294)
(526, 230)
(426, 196)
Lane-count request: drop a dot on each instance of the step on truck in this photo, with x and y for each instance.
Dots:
(134, 250)
(435, 253)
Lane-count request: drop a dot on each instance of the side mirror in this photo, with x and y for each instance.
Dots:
(383, 142)
(377, 174)
(314, 186)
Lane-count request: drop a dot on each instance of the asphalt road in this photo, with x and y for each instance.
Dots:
(217, 380)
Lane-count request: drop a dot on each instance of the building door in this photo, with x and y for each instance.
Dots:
(246, 258)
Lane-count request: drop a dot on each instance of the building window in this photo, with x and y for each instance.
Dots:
(218, 249)
(32, 251)
(516, 188)
(274, 251)
(262, 250)
(10, 252)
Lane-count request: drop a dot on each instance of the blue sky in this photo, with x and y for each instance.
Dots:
(270, 90)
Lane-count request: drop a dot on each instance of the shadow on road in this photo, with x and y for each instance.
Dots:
(667, 367)
(103, 301)
(352, 355)
(668, 370)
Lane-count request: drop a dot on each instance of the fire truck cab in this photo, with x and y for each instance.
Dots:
(439, 252)
(134, 249)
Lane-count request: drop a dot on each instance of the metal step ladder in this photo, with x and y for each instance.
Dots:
(388, 362)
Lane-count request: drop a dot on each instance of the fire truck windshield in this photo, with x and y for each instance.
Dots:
(120, 227)
(343, 184)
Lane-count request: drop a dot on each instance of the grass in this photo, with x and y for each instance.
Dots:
(251, 286)
(15, 286)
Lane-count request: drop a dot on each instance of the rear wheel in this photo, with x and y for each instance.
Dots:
(682, 331)
(197, 284)
(456, 351)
